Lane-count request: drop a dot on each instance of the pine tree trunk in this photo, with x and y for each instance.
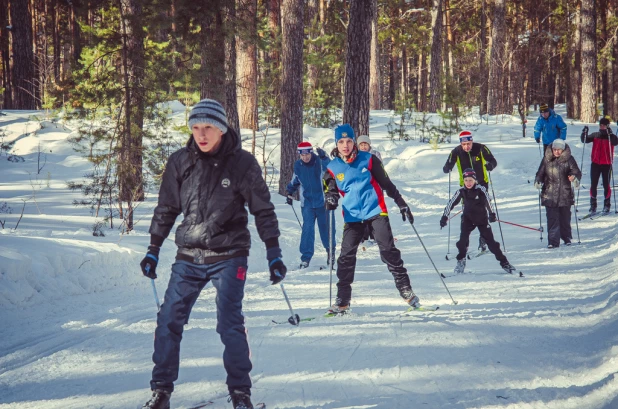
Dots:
(496, 61)
(603, 11)
(392, 75)
(613, 92)
(312, 33)
(212, 55)
(246, 63)
(7, 83)
(435, 87)
(588, 62)
(483, 61)
(375, 88)
(358, 57)
(422, 88)
(292, 34)
(231, 99)
(130, 162)
(76, 40)
(574, 86)
(23, 75)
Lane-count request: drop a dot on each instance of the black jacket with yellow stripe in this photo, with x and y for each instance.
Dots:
(476, 159)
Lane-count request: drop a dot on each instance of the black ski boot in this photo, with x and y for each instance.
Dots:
(240, 400)
(607, 204)
(593, 205)
(160, 400)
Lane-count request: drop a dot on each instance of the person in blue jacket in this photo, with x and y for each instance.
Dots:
(360, 178)
(307, 177)
(551, 125)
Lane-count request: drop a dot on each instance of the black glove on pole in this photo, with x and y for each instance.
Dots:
(149, 263)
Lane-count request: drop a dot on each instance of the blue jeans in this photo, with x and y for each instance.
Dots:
(186, 283)
(307, 238)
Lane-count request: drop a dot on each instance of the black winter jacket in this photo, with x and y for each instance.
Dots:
(554, 174)
(211, 191)
(476, 204)
(476, 159)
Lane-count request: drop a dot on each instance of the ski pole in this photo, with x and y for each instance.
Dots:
(581, 167)
(299, 223)
(519, 225)
(611, 169)
(540, 221)
(154, 290)
(294, 318)
(577, 223)
(455, 215)
(448, 245)
(331, 220)
(497, 213)
(434, 265)
(611, 163)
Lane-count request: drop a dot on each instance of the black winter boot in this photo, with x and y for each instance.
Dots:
(607, 204)
(241, 400)
(159, 400)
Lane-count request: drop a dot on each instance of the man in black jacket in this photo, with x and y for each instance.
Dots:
(475, 156)
(209, 181)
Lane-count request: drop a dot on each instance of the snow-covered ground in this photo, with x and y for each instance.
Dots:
(77, 317)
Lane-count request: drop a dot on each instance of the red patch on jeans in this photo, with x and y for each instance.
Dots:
(241, 273)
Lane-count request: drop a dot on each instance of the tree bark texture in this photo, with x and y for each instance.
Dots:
(357, 60)
(435, 87)
(130, 161)
(588, 62)
(496, 61)
(23, 56)
(375, 88)
(291, 86)
(231, 98)
(483, 61)
(7, 83)
(212, 55)
(246, 63)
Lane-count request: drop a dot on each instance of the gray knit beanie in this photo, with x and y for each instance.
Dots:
(208, 111)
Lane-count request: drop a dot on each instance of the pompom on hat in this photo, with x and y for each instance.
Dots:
(465, 136)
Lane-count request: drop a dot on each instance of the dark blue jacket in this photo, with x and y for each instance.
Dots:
(308, 178)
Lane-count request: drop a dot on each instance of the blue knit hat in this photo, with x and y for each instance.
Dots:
(208, 111)
(344, 131)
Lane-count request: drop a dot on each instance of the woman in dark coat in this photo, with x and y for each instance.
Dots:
(556, 172)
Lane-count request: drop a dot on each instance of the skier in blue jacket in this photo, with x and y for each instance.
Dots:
(307, 177)
(359, 177)
(551, 125)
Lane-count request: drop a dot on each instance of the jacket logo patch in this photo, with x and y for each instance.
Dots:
(241, 273)
(364, 170)
(225, 182)
(340, 177)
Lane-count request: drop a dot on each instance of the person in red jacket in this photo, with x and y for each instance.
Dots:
(602, 157)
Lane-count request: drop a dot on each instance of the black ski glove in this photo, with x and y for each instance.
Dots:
(321, 153)
(446, 169)
(275, 265)
(289, 200)
(406, 212)
(537, 140)
(149, 263)
(443, 221)
(489, 166)
(492, 217)
(331, 202)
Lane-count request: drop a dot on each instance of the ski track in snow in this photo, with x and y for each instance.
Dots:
(78, 320)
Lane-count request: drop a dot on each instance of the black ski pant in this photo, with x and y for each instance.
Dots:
(346, 263)
(597, 171)
(467, 226)
(186, 282)
(558, 225)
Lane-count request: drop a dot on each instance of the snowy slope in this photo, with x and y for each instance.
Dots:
(78, 318)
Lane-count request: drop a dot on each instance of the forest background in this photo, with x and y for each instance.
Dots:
(288, 63)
